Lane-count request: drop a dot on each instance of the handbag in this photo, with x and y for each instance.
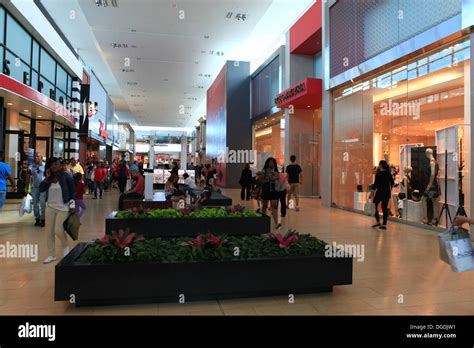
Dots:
(26, 206)
(460, 254)
(71, 226)
(369, 208)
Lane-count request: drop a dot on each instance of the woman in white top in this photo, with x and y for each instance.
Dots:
(60, 193)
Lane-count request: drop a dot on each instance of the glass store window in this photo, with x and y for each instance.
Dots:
(47, 66)
(18, 40)
(413, 116)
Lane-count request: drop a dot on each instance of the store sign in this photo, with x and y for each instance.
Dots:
(102, 131)
(290, 93)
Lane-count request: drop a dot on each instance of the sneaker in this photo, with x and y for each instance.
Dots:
(49, 259)
(66, 251)
(37, 223)
(297, 208)
(383, 227)
(41, 223)
(376, 225)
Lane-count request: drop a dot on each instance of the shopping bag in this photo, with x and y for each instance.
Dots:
(71, 226)
(128, 187)
(460, 254)
(369, 208)
(26, 206)
(453, 233)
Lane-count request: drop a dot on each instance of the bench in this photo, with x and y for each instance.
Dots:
(216, 200)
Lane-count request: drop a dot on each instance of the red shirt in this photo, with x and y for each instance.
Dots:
(99, 174)
(80, 189)
(140, 185)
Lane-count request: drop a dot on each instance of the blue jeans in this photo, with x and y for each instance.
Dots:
(3, 197)
(39, 203)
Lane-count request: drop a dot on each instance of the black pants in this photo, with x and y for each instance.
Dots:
(122, 183)
(245, 192)
(130, 195)
(384, 201)
(282, 198)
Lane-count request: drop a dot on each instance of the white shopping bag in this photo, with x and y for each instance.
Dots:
(453, 233)
(460, 254)
(26, 206)
(128, 187)
(369, 208)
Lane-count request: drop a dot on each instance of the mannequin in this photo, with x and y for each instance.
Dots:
(432, 190)
(406, 182)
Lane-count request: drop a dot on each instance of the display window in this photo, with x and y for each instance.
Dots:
(270, 137)
(413, 116)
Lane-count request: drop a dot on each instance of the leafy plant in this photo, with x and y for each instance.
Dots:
(206, 213)
(204, 248)
(284, 241)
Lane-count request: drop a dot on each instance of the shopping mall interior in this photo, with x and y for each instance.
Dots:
(236, 157)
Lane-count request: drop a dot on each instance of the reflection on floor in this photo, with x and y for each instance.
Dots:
(401, 273)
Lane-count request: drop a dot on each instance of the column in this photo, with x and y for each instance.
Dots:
(184, 151)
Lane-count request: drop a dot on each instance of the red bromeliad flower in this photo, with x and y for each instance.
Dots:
(198, 242)
(284, 241)
(214, 240)
(134, 211)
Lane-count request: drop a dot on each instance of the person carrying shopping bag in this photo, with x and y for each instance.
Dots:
(39, 198)
(60, 194)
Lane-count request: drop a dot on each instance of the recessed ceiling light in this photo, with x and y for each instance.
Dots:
(39, 116)
(10, 104)
(26, 110)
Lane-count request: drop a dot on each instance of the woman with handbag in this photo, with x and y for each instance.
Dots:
(60, 202)
(269, 189)
(382, 192)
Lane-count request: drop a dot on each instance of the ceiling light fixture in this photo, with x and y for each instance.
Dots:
(26, 110)
(10, 104)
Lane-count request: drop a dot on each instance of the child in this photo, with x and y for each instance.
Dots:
(80, 205)
(257, 190)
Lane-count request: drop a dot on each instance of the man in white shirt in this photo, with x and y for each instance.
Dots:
(188, 181)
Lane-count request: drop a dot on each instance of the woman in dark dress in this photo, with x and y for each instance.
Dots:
(269, 192)
(381, 192)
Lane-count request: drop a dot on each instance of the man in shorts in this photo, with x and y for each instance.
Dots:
(295, 179)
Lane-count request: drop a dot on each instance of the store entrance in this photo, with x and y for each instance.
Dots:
(42, 145)
(14, 154)
(306, 147)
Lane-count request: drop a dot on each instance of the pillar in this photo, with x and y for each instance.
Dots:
(184, 152)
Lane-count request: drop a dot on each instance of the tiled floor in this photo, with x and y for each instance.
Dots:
(401, 273)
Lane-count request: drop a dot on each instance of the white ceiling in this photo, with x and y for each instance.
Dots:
(170, 43)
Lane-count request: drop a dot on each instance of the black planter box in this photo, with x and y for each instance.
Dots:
(167, 228)
(129, 283)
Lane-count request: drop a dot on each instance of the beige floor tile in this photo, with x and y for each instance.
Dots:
(288, 309)
(402, 260)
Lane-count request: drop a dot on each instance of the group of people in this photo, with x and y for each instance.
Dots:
(271, 186)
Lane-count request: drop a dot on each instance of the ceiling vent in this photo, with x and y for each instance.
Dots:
(106, 3)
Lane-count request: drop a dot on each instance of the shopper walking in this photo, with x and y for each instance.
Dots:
(75, 167)
(60, 194)
(24, 177)
(283, 178)
(381, 192)
(122, 174)
(99, 178)
(245, 183)
(269, 192)
(80, 204)
(5, 174)
(295, 179)
(90, 178)
(39, 198)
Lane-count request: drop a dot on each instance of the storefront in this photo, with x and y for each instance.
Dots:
(403, 114)
(268, 121)
(36, 99)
